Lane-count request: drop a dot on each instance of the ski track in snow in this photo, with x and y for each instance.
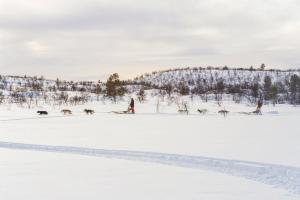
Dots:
(275, 175)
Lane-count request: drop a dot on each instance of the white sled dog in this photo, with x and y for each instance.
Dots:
(66, 111)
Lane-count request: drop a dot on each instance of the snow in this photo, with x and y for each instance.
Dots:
(150, 155)
(39, 175)
(230, 76)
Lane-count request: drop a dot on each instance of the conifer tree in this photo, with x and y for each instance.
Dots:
(114, 87)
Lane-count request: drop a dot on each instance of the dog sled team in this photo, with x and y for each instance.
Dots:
(91, 112)
(66, 112)
(225, 112)
(131, 110)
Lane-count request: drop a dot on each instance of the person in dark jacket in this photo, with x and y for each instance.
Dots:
(258, 108)
(259, 104)
(131, 106)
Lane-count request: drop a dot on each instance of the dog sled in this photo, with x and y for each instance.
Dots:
(121, 112)
(128, 111)
(256, 112)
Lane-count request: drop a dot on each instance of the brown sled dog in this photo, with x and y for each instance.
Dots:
(66, 112)
(89, 111)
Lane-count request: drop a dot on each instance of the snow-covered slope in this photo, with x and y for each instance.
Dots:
(38, 84)
(212, 76)
(275, 175)
(34, 91)
(150, 155)
(276, 86)
(243, 84)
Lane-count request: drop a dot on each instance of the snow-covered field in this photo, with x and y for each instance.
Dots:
(150, 155)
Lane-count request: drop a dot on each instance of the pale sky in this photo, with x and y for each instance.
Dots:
(89, 39)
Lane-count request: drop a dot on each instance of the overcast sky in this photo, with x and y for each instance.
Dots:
(89, 39)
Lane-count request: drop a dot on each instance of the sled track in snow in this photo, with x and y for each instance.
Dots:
(36, 118)
(275, 175)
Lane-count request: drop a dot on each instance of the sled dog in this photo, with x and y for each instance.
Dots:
(89, 111)
(66, 112)
(202, 111)
(42, 112)
(223, 112)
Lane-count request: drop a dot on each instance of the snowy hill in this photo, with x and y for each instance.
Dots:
(211, 76)
(15, 83)
(275, 86)
(244, 82)
(26, 90)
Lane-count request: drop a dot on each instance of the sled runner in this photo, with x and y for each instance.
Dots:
(121, 112)
(256, 112)
(245, 113)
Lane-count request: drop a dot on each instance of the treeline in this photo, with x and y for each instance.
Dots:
(31, 91)
(275, 86)
(34, 91)
(262, 68)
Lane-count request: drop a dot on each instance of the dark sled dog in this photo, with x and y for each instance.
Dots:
(42, 112)
(89, 111)
(223, 112)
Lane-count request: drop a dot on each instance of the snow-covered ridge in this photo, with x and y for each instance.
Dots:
(275, 175)
(26, 90)
(192, 76)
(276, 86)
(21, 83)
